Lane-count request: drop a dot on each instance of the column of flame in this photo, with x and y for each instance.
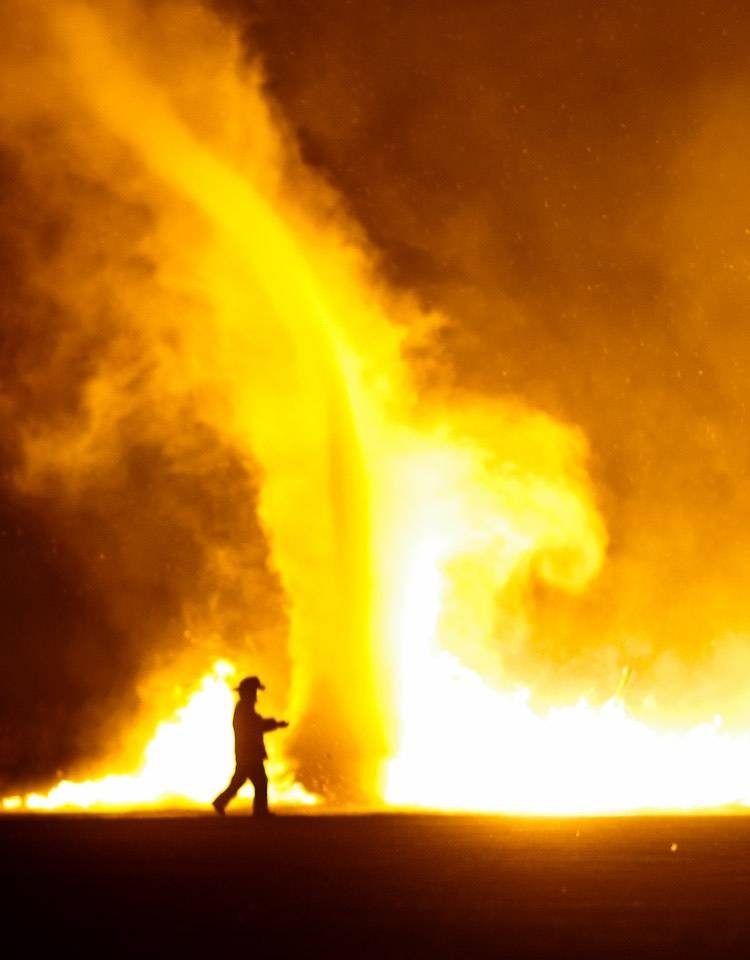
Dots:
(274, 361)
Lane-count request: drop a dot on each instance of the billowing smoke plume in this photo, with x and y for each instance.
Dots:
(194, 367)
(130, 530)
(567, 182)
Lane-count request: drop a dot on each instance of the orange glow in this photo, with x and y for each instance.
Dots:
(403, 526)
(187, 761)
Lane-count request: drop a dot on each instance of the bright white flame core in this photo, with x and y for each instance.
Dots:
(468, 747)
(464, 745)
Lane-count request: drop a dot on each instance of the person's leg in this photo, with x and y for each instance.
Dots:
(239, 777)
(260, 782)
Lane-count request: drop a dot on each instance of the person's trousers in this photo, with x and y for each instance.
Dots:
(254, 772)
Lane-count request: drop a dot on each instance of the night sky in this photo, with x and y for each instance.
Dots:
(567, 184)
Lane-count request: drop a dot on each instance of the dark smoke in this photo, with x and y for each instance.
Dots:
(109, 578)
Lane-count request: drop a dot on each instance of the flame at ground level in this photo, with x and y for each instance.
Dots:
(570, 760)
(471, 748)
(186, 763)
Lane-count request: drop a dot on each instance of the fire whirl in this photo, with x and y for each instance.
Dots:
(407, 531)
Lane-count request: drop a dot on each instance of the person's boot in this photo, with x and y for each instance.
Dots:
(218, 806)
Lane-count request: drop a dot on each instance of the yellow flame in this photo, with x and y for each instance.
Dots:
(188, 760)
(469, 747)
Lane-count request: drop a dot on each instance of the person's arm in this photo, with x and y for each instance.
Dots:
(270, 724)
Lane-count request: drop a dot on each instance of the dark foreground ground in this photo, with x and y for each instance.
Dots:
(381, 886)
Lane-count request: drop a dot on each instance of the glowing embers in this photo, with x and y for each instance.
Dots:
(187, 760)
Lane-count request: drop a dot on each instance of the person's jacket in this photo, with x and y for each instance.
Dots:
(249, 728)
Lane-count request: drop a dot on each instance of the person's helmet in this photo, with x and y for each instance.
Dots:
(249, 683)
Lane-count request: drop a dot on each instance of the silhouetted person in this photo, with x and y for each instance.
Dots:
(249, 748)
